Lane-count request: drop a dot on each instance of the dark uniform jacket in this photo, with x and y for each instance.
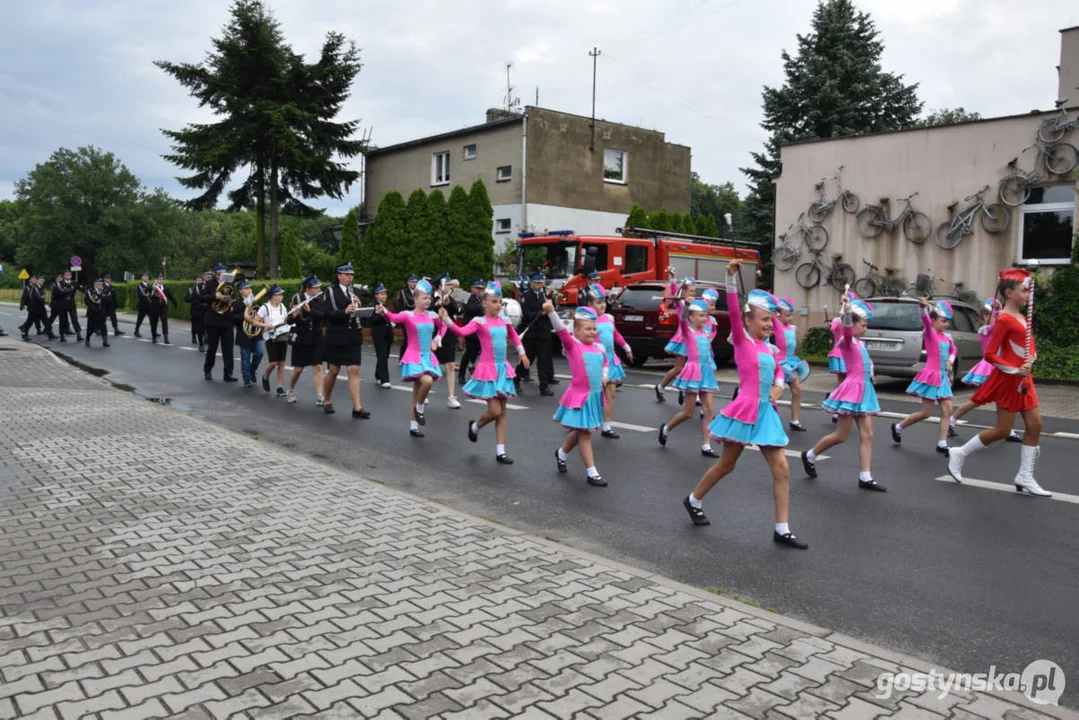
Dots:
(532, 310)
(196, 298)
(63, 295)
(236, 317)
(404, 300)
(160, 304)
(34, 299)
(108, 298)
(341, 328)
(473, 308)
(307, 324)
(95, 303)
(142, 294)
(209, 297)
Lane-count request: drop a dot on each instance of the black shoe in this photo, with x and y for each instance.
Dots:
(137, 333)
(789, 540)
(662, 436)
(416, 433)
(472, 436)
(942, 450)
(597, 481)
(504, 459)
(105, 343)
(659, 393)
(734, 395)
(810, 468)
(681, 397)
(202, 348)
(266, 383)
(952, 432)
(895, 434)
(154, 341)
(835, 419)
(361, 414)
(229, 378)
(547, 392)
(1013, 438)
(281, 392)
(51, 336)
(26, 337)
(610, 434)
(328, 409)
(63, 339)
(117, 332)
(797, 427)
(517, 385)
(560, 461)
(872, 485)
(78, 337)
(554, 381)
(709, 453)
(87, 341)
(167, 341)
(421, 418)
(207, 375)
(695, 514)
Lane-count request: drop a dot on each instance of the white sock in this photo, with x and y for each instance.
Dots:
(475, 428)
(811, 456)
(665, 431)
(942, 443)
(865, 477)
(706, 446)
(413, 425)
(783, 528)
(561, 454)
(898, 429)
(593, 472)
(835, 416)
(500, 449)
(951, 421)
(973, 445)
(606, 427)
(419, 408)
(694, 501)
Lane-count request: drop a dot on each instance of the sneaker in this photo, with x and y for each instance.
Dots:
(266, 383)
(453, 403)
(281, 392)
(328, 409)
(361, 414)
(386, 386)
(248, 384)
(290, 397)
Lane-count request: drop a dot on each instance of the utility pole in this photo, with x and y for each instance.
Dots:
(511, 102)
(594, 55)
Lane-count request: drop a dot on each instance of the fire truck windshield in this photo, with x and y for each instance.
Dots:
(558, 260)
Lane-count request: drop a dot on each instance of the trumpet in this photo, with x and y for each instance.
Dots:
(249, 328)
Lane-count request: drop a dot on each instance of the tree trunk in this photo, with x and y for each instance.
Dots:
(275, 250)
(260, 224)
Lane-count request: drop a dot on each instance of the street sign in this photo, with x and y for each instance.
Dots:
(75, 261)
(163, 261)
(75, 268)
(24, 275)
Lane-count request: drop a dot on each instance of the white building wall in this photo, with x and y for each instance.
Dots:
(543, 218)
(511, 212)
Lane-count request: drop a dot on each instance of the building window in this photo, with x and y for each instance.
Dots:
(440, 168)
(614, 165)
(470, 152)
(1047, 225)
(502, 225)
(505, 173)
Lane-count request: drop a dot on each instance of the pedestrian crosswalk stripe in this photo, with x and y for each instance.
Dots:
(1009, 487)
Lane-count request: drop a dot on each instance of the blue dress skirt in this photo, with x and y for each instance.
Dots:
(868, 406)
(836, 365)
(675, 348)
(931, 392)
(590, 415)
(795, 367)
(502, 387)
(428, 364)
(971, 378)
(766, 432)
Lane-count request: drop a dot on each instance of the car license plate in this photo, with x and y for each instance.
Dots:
(883, 346)
(633, 318)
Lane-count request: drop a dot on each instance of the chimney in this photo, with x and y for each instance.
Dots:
(495, 114)
(1068, 70)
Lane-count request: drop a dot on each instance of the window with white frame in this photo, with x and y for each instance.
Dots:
(505, 173)
(614, 165)
(503, 225)
(440, 168)
(470, 152)
(1047, 225)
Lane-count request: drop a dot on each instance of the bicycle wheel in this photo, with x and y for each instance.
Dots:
(851, 203)
(865, 288)
(1061, 158)
(843, 276)
(948, 238)
(1050, 131)
(1014, 190)
(995, 218)
(892, 290)
(785, 257)
(818, 211)
(807, 275)
(870, 222)
(816, 237)
(917, 227)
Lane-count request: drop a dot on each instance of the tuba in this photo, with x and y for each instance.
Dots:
(228, 289)
(250, 330)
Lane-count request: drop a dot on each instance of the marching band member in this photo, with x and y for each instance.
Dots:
(933, 382)
(64, 297)
(219, 329)
(473, 309)
(607, 334)
(404, 303)
(95, 313)
(786, 339)
(36, 310)
(537, 334)
(580, 409)
(109, 293)
(676, 346)
(698, 376)
(447, 351)
(855, 400)
(344, 339)
(382, 338)
(274, 315)
(194, 297)
(160, 297)
(751, 419)
(1010, 384)
(309, 346)
(252, 349)
(423, 330)
(142, 297)
(493, 377)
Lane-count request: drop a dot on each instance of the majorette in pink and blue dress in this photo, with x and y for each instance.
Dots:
(856, 394)
(581, 405)
(835, 357)
(786, 339)
(493, 376)
(609, 337)
(751, 419)
(677, 344)
(421, 329)
(699, 373)
(978, 374)
(932, 381)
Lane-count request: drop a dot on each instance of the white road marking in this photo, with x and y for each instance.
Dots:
(791, 453)
(629, 426)
(1068, 435)
(1008, 487)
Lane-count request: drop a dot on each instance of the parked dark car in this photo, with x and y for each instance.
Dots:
(637, 315)
(895, 343)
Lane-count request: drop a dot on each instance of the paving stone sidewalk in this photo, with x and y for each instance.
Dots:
(155, 565)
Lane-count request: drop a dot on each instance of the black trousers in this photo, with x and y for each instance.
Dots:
(382, 337)
(539, 349)
(36, 319)
(214, 335)
(96, 324)
(472, 353)
(115, 325)
(143, 312)
(162, 317)
(64, 327)
(198, 328)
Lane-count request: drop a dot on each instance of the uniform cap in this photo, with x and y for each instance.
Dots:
(346, 268)
(862, 309)
(493, 288)
(943, 309)
(380, 288)
(787, 304)
(761, 299)
(312, 282)
(584, 313)
(424, 286)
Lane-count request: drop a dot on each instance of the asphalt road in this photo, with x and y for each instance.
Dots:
(964, 575)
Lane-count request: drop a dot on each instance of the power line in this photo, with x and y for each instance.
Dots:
(635, 37)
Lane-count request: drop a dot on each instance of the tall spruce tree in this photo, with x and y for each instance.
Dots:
(411, 254)
(458, 235)
(660, 220)
(350, 240)
(435, 243)
(482, 224)
(378, 261)
(834, 86)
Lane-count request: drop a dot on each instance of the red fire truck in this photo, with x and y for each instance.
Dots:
(637, 254)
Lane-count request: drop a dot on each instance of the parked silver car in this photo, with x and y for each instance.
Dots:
(894, 337)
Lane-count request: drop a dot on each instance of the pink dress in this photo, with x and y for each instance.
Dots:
(420, 328)
(493, 376)
(856, 394)
(978, 374)
(932, 381)
(581, 405)
(835, 357)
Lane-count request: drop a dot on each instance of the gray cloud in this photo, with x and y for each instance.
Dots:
(74, 75)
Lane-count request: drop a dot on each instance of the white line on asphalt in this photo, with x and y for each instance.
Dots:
(790, 453)
(1068, 435)
(1063, 497)
(635, 428)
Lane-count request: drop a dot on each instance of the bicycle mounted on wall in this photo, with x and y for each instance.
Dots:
(873, 219)
(819, 210)
(995, 219)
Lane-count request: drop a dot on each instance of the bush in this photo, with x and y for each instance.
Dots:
(817, 341)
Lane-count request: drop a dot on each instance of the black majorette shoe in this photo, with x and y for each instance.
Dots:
(503, 459)
(810, 468)
(895, 434)
(681, 397)
(872, 485)
(696, 514)
(361, 414)
(1012, 437)
(416, 433)
(942, 450)
(952, 432)
(597, 481)
(659, 393)
(610, 434)
(472, 436)
(797, 426)
(560, 461)
(734, 395)
(709, 453)
(662, 436)
(421, 419)
(789, 540)
(835, 419)
(328, 409)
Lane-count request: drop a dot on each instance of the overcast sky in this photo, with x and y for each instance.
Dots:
(79, 72)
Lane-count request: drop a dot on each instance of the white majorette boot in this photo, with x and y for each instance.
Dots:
(1025, 479)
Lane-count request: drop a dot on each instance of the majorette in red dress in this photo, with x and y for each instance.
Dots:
(1007, 353)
